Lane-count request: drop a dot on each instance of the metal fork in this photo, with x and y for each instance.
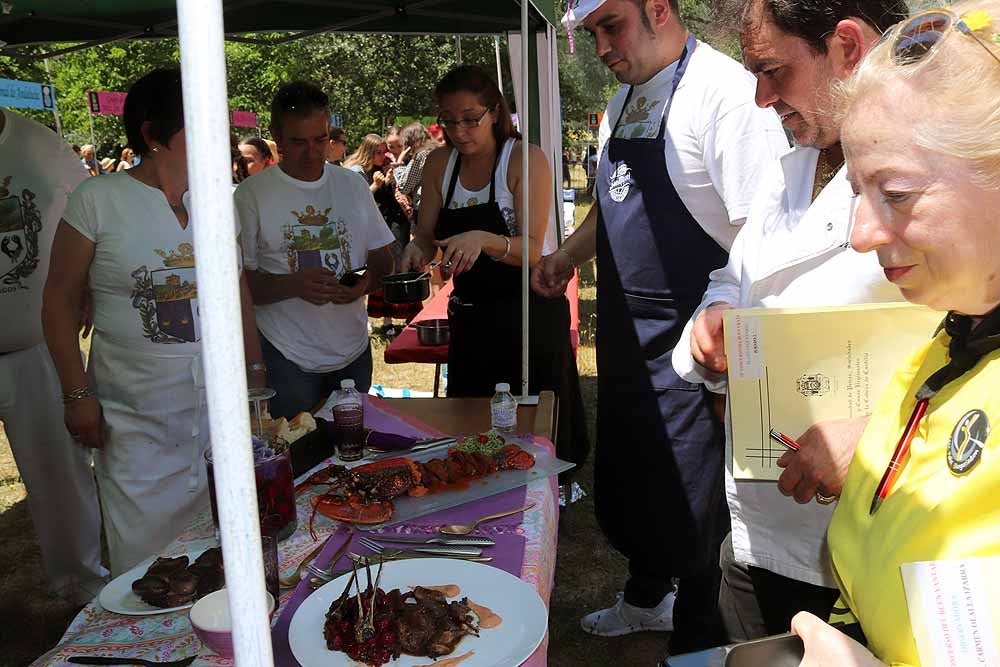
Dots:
(453, 551)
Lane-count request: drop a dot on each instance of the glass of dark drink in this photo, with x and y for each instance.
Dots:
(349, 431)
(275, 490)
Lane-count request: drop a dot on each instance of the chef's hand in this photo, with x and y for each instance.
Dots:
(821, 465)
(552, 274)
(315, 285)
(708, 345)
(341, 294)
(85, 422)
(461, 251)
(827, 646)
(413, 258)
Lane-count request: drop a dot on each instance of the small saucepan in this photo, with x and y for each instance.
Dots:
(409, 287)
(433, 332)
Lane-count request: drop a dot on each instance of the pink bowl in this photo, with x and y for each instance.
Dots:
(212, 623)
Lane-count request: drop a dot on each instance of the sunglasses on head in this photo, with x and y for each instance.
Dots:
(917, 37)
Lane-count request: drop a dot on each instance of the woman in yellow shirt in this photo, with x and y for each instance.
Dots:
(922, 140)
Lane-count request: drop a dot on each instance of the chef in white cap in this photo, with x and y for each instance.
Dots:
(681, 150)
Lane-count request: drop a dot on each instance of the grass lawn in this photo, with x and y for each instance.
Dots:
(588, 571)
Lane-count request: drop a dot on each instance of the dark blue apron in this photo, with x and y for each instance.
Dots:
(659, 485)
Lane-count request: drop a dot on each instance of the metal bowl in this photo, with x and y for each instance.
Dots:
(433, 332)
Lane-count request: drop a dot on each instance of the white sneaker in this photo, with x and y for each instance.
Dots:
(624, 618)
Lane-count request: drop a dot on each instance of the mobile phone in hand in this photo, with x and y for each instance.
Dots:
(351, 278)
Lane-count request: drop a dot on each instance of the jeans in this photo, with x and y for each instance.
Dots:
(302, 391)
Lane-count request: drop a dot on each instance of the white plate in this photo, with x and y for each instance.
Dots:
(524, 615)
(118, 597)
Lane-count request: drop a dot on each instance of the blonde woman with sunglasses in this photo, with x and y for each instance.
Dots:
(922, 140)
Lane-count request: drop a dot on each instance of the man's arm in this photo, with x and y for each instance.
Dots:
(552, 274)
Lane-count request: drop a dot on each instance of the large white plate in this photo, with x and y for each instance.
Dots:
(525, 618)
(118, 597)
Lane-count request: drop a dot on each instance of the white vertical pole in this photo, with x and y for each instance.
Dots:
(206, 121)
(55, 105)
(496, 48)
(90, 117)
(458, 49)
(524, 115)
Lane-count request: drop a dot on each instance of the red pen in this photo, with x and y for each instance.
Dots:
(896, 463)
(778, 436)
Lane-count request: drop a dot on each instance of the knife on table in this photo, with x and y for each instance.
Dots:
(445, 541)
(441, 550)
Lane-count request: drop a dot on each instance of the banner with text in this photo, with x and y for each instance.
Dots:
(243, 118)
(103, 103)
(27, 95)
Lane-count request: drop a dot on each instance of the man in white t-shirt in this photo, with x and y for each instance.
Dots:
(306, 226)
(682, 147)
(37, 174)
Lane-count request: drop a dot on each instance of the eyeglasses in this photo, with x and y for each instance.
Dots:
(464, 123)
(918, 36)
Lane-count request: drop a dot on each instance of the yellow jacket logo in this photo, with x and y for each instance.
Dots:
(968, 438)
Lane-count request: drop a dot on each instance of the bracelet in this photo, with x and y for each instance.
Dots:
(569, 256)
(506, 252)
(76, 395)
(256, 366)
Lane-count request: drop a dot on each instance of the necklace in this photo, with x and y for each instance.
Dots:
(829, 163)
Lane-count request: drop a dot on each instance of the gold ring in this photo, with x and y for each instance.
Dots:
(824, 500)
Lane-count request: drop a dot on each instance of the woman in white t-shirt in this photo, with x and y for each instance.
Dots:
(140, 404)
(471, 209)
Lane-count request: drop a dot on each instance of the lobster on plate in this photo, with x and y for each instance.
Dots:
(365, 494)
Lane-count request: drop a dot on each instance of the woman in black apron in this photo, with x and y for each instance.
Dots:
(474, 216)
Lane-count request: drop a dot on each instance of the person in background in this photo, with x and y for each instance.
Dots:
(109, 165)
(305, 225)
(257, 154)
(127, 159)
(37, 174)
(682, 153)
(394, 143)
(927, 178)
(140, 404)
(437, 133)
(471, 208)
(337, 147)
(76, 151)
(417, 145)
(88, 158)
(371, 160)
(793, 252)
(275, 153)
(240, 170)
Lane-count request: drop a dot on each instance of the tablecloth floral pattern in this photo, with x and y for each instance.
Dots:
(164, 637)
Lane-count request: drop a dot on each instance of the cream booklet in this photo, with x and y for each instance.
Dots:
(792, 367)
(954, 610)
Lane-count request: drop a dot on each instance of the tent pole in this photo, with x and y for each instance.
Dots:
(524, 115)
(55, 105)
(206, 121)
(496, 48)
(458, 49)
(90, 117)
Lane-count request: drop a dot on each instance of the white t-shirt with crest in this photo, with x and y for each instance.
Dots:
(38, 171)
(143, 274)
(287, 225)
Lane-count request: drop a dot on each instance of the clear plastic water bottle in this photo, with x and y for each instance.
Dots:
(503, 410)
(349, 422)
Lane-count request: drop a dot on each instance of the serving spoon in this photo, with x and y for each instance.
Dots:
(459, 529)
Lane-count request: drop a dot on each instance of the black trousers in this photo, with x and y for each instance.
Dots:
(757, 603)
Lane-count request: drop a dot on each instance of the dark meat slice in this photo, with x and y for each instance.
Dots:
(438, 473)
(484, 464)
(416, 627)
(429, 595)
(445, 641)
(164, 567)
(455, 473)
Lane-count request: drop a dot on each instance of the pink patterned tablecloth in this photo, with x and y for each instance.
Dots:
(164, 637)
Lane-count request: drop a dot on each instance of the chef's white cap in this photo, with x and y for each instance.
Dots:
(578, 11)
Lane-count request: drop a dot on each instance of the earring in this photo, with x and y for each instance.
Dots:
(156, 149)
